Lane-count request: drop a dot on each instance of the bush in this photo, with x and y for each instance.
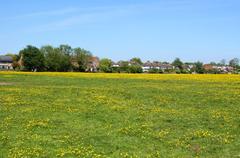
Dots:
(135, 69)
(184, 71)
(153, 71)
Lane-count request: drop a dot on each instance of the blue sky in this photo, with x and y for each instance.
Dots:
(205, 30)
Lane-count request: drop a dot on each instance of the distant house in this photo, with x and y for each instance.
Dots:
(93, 64)
(222, 69)
(156, 65)
(166, 67)
(6, 63)
(208, 67)
(115, 65)
(188, 67)
(147, 66)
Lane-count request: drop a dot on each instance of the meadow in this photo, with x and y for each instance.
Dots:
(119, 115)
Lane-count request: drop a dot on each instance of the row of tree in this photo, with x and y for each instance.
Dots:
(48, 58)
(132, 66)
(65, 58)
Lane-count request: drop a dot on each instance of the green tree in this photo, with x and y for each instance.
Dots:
(33, 59)
(56, 59)
(82, 58)
(66, 49)
(199, 67)
(135, 69)
(105, 65)
(135, 65)
(136, 61)
(178, 63)
(234, 62)
(53, 58)
(222, 62)
(65, 61)
(124, 65)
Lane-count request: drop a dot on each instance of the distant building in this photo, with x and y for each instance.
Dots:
(166, 67)
(156, 65)
(188, 67)
(93, 64)
(115, 65)
(6, 63)
(147, 66)
(208, 67)
(222, 69)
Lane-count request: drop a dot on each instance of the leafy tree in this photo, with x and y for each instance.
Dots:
(65, 61)
(178, 63)
(82, 57)
(56, 59)
(135, 66)
(199, 67)
(234, 62)
(184, 71)
(105, 65)
(136, 61)
(66, 49)
(33, 59)
(66, 56)
(222, 62)
(135, 69)
(53, 58)
(124, 65)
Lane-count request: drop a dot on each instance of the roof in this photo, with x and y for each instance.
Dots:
(6, 59)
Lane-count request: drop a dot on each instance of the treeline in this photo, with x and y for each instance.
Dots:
(48, 58)
(65, 58)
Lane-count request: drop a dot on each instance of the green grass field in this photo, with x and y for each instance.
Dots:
(119, 115)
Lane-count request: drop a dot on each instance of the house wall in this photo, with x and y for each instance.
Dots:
(6, 66)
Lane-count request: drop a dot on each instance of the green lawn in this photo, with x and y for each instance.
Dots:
(114, 115)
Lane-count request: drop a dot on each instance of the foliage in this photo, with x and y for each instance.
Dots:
(199, 67)
(222, 62)
(234, 62)
(105, 65)
(154, 70)
(136, 61)
(33, 59)
(54, 58)
(183, 71)
(178, 63)
(124, 66)
(135, 69)
(82, 57)
(66, 49)
(65, 58)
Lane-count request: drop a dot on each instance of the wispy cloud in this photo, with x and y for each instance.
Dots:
(89, 15)
(73, 16)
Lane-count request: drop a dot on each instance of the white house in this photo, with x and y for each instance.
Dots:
(6, 63)
(156, 65)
